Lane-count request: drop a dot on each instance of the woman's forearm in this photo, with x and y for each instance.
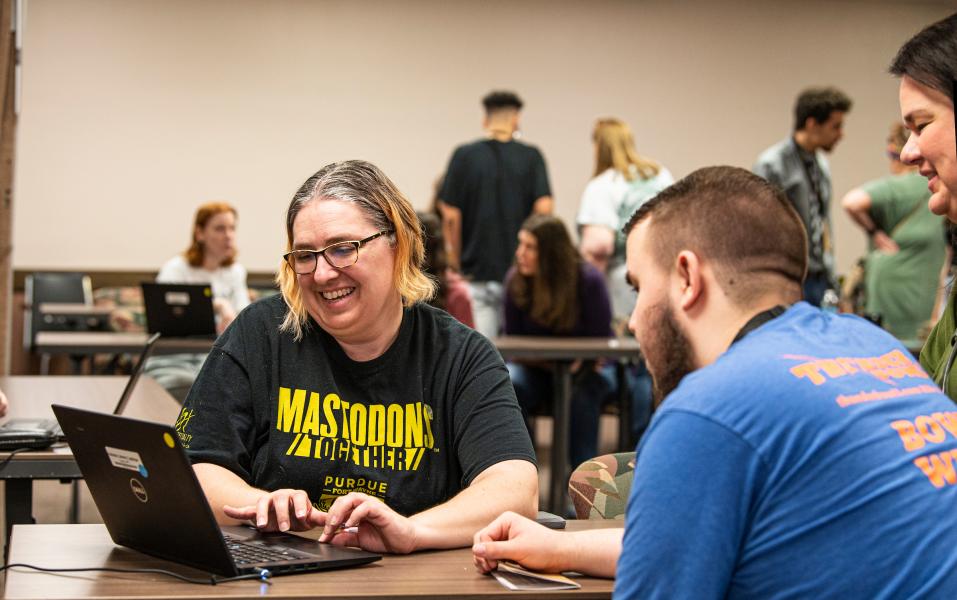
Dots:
(223, 487)
(509, 485)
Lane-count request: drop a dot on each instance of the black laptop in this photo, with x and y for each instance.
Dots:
(40, 433)
(150, 500)
(179, 309)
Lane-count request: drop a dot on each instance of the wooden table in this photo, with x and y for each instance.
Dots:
(88, 343)
(32, 397)
(564, 352)
(439, 574)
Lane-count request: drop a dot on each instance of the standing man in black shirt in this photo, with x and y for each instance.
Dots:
(490, 187)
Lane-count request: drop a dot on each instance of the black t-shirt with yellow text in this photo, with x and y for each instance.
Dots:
(412, 427)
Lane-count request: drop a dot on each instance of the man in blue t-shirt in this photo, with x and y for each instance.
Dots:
(796, 453)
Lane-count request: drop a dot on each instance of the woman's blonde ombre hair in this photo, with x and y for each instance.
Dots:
(615, 148)
(365, 185)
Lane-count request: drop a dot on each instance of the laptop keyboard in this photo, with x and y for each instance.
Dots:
(244, 553)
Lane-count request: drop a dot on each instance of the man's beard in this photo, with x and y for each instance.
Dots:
(667, 352)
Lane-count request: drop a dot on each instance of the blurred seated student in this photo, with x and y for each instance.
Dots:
(907, 245)
(622, 181)
(347, 401)
(551, 291)
(796, 453)
(4, 404)
(452, 293)
(209, 259)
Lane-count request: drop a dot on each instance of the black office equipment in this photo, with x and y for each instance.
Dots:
(179, 309)
(61, 288)
(150, 500)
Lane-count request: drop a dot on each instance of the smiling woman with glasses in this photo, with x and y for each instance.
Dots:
(347, 402)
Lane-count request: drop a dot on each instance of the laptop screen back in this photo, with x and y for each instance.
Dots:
(179, 309)
(144, 488)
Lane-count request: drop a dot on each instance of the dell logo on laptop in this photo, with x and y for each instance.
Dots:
(139, 491)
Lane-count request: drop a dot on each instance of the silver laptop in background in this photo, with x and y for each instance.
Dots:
(150, 499)
(39, 433)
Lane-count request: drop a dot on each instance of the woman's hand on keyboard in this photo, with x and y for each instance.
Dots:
(282, 510)
(358, 519)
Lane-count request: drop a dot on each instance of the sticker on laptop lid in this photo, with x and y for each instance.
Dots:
(176, 298)
(126, 459)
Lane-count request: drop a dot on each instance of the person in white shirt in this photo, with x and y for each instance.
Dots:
(623, 180)
(210, 259)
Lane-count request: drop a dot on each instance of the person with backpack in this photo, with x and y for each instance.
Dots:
(623, 180)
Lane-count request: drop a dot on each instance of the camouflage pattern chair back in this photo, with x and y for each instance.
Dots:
(599, 487)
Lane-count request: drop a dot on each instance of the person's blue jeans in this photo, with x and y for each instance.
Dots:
(639, 387)
(534, 387)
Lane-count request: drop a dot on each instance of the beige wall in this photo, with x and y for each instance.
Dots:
(133, 112)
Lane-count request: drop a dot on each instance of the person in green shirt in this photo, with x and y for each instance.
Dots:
(907, 245)
(927, 66)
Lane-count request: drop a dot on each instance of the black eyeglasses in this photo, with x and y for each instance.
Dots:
(340, 255)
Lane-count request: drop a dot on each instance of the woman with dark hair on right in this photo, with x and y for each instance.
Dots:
(552, 291)
(927, 66)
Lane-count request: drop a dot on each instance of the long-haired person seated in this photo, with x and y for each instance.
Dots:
(209, 259)
(347, 402)
(552, 291)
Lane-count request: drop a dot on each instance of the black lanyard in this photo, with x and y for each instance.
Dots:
(813, 179)
(758, 320)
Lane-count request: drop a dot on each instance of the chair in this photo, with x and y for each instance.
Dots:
(599, 488)
(45, 287)
(53, 287)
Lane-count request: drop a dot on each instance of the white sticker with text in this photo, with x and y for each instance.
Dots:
(126, 459)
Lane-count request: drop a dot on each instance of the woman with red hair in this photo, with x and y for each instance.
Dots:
(209, 259)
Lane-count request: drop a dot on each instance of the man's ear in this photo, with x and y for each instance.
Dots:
(690, 281)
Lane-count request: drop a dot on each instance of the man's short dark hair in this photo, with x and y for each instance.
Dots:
(818, 104)
(499, 100)
(736, 220)
(930, 57)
